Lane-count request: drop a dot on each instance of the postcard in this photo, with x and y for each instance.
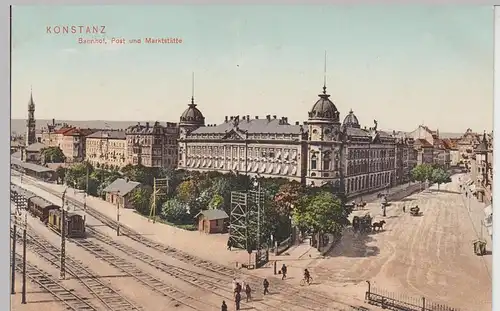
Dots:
(252, 157)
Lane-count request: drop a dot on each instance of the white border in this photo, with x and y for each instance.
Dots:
(496, 159)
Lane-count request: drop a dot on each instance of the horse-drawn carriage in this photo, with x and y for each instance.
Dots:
(415, 210)
(362, 224)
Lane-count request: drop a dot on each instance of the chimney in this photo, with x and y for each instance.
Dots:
(226, 119)
(274, 117)
(248, 118)
(297, 123)
(156, 123)
(53, 121)
(231, 119)
(244, 118)
(285, 119)
(147, 125)
(256, 117)
(268, 117)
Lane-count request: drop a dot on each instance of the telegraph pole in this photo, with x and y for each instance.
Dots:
(159, 184)
(13, 267)
(63, 236)
(23, 298)
(118, 214)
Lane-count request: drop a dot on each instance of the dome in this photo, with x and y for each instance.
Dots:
(324, 108)
(192, 115)
(351, 120)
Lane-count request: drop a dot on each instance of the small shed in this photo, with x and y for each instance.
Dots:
(119, 192)
(212, 221)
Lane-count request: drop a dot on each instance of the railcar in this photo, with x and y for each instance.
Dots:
(75, 223)
(40, 208)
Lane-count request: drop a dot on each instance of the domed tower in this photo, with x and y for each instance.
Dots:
(324, 141)
(351, 120)
(191, 119)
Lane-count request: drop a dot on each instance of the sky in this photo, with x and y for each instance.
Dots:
(402, 65)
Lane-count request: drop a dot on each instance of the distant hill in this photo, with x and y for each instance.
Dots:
(19, 125)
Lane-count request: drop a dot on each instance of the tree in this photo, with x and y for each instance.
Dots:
(422, 172)
(288, 196)
(60, 173)
(187, 191)
(141, 199)
(53, 155)
(440, 176)
(322, 213)
(174, 211)
(138, 173)
(216, 202)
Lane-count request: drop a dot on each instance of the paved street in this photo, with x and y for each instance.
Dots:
(431, 255)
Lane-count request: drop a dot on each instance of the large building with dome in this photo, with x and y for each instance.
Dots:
(320, 151)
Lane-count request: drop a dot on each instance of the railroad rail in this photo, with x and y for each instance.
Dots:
(202, 281)
(303, 296)
(45, 281)
(109, 298)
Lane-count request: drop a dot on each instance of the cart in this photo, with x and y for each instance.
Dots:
(479, 247)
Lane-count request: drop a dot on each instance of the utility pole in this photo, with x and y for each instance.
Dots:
(62, 274)
(13, 266)
(23, 298)
(159, 185)
(118, 214)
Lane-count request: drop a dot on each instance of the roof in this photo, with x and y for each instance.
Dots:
(192, 115)
(423, 143)
(36, 147)
(113, 134)
(42, 202)
(252, 126)
(213, 214)
(324, 108)
(16, 154)
(122, 186)
(30, 166)
(63, 130)
(77, 132)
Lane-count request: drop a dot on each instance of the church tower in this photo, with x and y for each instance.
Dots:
(31, 123)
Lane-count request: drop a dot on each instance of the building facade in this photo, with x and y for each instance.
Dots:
(430, 147)
(320, 151)
(107, 149)
(152, 145)
(481, 170)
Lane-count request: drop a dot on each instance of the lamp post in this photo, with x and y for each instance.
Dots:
(23, 298)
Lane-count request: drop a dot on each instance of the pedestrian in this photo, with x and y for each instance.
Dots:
(283, 272)
(243, 285)
(229, 244)
(248, 292)
(224, 306)
(238, 288)
(404, 208)
(234, 284)
(266, 286)
(237, 300)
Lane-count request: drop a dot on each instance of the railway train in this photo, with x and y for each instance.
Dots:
(47, 212)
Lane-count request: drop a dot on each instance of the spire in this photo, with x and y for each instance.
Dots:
(31, 103)
(324, 77)
(192, 91)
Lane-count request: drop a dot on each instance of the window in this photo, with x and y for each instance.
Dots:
(271, 154)
(218, 222)
(327, 131)
(313, 162)
(326, 161)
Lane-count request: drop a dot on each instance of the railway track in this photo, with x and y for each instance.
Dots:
(303, 297)
(202, 281)
(109, 298)
(45, 281)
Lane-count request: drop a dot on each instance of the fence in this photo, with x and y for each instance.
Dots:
(279, 248)
(401, 302)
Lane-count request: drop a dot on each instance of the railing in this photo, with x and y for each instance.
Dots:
(279, 248)
(401, 302)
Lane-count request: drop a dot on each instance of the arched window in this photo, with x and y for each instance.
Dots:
(326, 161)
(314, 160)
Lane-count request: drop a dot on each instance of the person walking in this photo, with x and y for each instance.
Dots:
(234, 284)
(266, 286)
(237, 300)
(229, 244)
(283, 271)
(223, 307)
(248, 292)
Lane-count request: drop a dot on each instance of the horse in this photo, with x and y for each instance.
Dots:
(378, 225)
